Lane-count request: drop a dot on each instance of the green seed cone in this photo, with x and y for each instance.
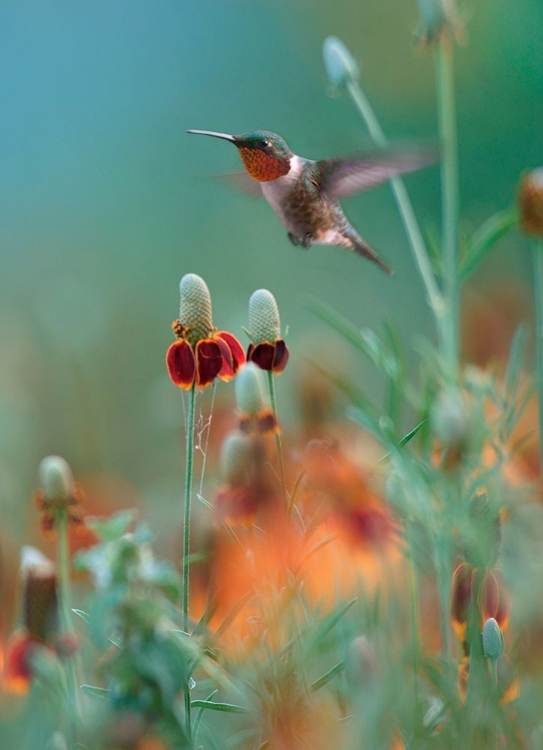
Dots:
(264, 322)
(235, 458)
(56, 479)
(492, 639)
(195, 308)
(340, 65)
(250, 390)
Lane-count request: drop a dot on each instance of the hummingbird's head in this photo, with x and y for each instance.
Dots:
(265, 155)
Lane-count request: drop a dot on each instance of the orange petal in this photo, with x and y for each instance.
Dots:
(227, 371)
(238, 355)
(180, 364)
(17, 670)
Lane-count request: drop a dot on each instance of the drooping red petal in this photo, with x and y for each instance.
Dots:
(494, 601)
(461, 592)
(181, 365)
(262, 355)
(209, 362)
(227, 370)
(17, 669)
(238, 355)
(281, 358)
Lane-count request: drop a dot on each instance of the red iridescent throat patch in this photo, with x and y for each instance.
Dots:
(263, 167)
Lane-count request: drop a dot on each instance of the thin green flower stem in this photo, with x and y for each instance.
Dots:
(186, 537)
(278, 443)
(537, 256)
(494, 674)
(405, 207)
(65, 615)
(446, 115)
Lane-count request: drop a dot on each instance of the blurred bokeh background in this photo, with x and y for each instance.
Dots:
(106, 203)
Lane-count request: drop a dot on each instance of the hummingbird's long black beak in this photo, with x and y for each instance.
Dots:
(224, 136)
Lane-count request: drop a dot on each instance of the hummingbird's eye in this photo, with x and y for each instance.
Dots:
(263, 143)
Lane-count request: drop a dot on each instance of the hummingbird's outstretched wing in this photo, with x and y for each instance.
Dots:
(240, 180)
(340, 178)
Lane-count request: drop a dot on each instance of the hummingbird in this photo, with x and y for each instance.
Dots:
(305, 193)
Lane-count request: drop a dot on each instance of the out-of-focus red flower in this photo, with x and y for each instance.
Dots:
(58, 494)
(40, 627)
(18, 664)
(356, 512)
(493, 599)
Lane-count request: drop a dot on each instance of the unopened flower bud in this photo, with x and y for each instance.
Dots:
(250, 392)
(361, 664)
(264, 321)
(56, 479)
(492, 639)
(449, 418)
(341, 67)
(438, 18)
(531, 202)
(195, 308)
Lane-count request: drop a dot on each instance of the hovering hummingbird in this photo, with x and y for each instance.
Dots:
(304, 193)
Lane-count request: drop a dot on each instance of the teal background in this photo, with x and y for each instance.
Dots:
(106, 203)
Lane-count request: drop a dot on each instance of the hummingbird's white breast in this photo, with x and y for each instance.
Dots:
(276, 191)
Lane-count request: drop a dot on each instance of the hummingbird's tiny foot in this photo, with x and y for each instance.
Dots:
(293, 239)
(307, 240)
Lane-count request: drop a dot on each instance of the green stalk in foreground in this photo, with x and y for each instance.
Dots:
(446, 114)
(186, 536)
(58, 499)
(278, 443)
(531, 220)
(405, 206)
(65, 615)
(269, 351)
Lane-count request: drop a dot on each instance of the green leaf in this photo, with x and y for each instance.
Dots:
(484, 239)
(515, 362)
(410, 435)
(98, 693)
(328, 624)
(200, 714)
(294, 493)
(110, 529)
(229, 708)
(327, 676)
(335, 320)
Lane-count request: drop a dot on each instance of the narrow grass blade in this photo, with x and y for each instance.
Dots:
(484, 239)
(327, 676)
(229, 708)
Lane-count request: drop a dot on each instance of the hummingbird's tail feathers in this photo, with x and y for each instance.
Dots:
(362, 248)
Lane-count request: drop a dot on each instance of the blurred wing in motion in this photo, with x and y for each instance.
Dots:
(241, 181)
(343, 177)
